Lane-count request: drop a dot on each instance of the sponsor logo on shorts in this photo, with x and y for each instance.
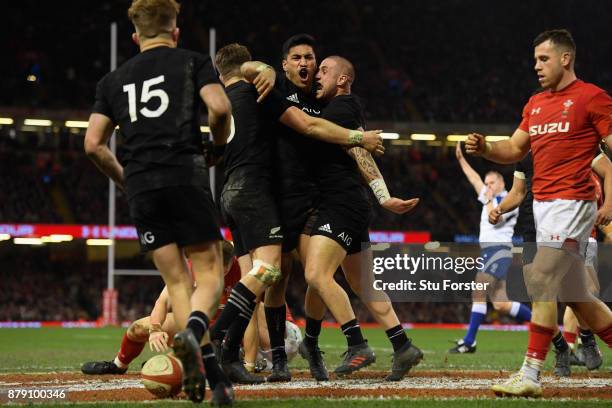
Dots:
(147, 238)
(325, 228)
(346, 238)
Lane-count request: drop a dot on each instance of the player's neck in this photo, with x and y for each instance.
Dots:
(156, 42)
(567, 80)
(233, 80)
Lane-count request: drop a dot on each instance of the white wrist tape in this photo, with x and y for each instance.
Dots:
(380, 190)
(262, 67)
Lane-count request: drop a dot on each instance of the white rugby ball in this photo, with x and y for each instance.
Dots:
(162, 375)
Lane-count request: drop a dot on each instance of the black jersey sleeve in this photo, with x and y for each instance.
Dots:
(204, 72)
(344, 111)
(102, 105)
(274, 105)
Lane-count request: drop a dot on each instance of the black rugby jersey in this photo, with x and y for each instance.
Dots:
(252, 143)
(154, 98)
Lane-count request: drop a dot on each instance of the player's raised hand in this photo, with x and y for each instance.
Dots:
(458, 152)
(604, 216)
(372, 141)
(475, 144)
(399, 206)
(495, 216)
(158, 341)
(264, 82)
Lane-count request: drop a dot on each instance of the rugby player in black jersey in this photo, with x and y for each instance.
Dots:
(521, 194)
(340, 228)
(155, 98)
(293, 163)
(247, 198)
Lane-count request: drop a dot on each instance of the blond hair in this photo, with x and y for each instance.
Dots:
(153, 17)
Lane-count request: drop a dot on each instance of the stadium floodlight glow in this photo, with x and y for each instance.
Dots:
(402, 142)
(37, 122)
(31, 78)
(492, 138)
(27, 241)
(56, 238)
(391, 136)
(76, 124)
(423, 136)
(5, 237)
(6, 121)
(99, 242)
(456, 138)
(204, 129)
(62, 237)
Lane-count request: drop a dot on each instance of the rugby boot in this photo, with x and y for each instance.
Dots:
(187, 349)
(462, 347)
(102, 367)
(237, 374)
(355, 358)
(562, 363)
(314, 356)
(591, 354)
(518, 385)
(280, 371)
(403, 360)
(222, 395)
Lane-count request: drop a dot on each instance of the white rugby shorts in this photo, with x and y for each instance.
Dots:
(559, 220)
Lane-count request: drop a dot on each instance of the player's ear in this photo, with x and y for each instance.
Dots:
(566, 59)
(341, 81)
(135, 38)
(175, 34)
(285, 64)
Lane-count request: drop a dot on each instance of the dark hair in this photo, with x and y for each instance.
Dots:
(229, 59)
(298, 39)
(560, 37)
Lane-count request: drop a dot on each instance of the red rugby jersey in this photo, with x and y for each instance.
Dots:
(565, 127)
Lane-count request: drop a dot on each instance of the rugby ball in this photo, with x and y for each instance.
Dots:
(162, 375)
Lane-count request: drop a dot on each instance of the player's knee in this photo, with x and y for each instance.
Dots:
(266, 273)
(503, 307)
(137, 331)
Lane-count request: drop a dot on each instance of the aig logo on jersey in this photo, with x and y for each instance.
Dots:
(147, 238)
(346, 238)
(549, 128)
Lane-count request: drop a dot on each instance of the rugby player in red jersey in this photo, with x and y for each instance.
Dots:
(563, 126)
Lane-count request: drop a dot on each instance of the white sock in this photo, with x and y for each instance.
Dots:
(514, 309)
(531, 368)
(119, 364)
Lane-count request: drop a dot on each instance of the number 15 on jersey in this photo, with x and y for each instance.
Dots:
(146, 95)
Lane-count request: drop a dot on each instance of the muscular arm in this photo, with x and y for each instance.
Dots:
(469, 172)
(219, 112)
(603, 168)
(318, 128)
(371, 174)
(99, 132)
(367, 166)
(160, 310)
(515, 196)
(508, 151)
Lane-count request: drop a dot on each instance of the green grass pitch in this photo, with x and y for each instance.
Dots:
(56, 349)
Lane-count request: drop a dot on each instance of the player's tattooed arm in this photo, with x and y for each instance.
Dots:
(371, 174)
(260, 74)
(99, 132)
